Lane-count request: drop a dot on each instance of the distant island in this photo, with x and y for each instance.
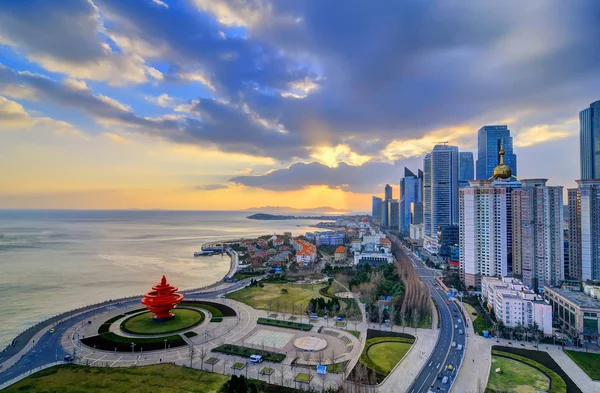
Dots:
(286, 210)
(265, 216)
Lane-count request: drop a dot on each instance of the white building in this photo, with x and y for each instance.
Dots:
(306, 252)
(515, 305)
(372, 238)
(373, 258)
(416, 234)
(538, 236)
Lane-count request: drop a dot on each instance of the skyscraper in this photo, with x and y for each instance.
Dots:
(393, 211)
(584, 230)
(440, 190)
(376, 209)
(538, 236)
(466, 170)
(411, 191)
(485, 225)
(589, 141)
(488, 146)
(388, 192)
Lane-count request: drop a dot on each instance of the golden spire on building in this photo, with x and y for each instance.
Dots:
(502, 171)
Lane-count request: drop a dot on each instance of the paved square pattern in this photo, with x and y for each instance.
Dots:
(269, 338)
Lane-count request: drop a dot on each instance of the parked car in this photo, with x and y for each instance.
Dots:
(51, 331)
(256, 359)
(68, 358)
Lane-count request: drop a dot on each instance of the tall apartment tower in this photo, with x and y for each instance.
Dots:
(537, 233)
(584, 230)
(484, 225)
(411, 191)
(488, 147)
(589, 141)
(440, 190)
(388, 192)
(376, 208)
(466, 169)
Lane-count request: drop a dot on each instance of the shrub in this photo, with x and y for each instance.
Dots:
(110, 341)
(284, 324)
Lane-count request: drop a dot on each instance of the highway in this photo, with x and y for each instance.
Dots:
(445, 360)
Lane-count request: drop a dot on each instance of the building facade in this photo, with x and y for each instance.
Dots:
(537, 234)
(577, 313)
(488, 146)
(440, 190)
(589, 141)
(466, 168)
(584, 230)
(411, 191)
(514, 305)
(376, 208)
(388, 192)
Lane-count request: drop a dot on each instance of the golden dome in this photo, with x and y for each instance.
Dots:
(502, 171)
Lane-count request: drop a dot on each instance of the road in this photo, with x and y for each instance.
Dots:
(452, 334)
(48, 349)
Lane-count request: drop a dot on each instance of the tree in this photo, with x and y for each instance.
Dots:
(238, 384)
(203, 355)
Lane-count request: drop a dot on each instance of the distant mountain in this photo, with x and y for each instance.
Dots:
(292, 210)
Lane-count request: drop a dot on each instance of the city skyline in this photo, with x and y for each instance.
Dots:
(205, 105)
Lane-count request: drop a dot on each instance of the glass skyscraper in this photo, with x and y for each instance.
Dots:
(376, 209)
(466, 169)
(488, 146)
(589, 141)
(411, 191)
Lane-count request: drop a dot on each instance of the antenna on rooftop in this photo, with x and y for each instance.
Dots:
(440, 143)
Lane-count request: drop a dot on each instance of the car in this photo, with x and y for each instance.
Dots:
(455, 326)
(459, 321)
(450, 367)
(338, 318)
(68, 358)
(256, 359)
(459, 347)
(460, 332)
(52, 331)
(447, 303)
(453, 344)
(445, 380)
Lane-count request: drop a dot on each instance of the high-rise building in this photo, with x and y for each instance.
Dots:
(376, 208)
(466, 170)
(411, 191)
(589, 141)
(488, 145)
(393, 211)
(484, 225)
(537, 233)
(584, 230)
(388, 192)
(416, 213)
(440, 191)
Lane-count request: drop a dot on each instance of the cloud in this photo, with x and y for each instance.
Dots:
(14, 117)
(68, 38)
(211, 187)
(365, 178)
(164, 100)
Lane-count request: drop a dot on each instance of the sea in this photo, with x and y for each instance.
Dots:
(52, 261)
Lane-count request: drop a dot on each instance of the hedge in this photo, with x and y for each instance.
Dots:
(284, 324)
(544, 359)
(135, 311)
(216, 309)
(371, 333)
(237, 350)
(190, 334)
(105, 327)
(110, 341)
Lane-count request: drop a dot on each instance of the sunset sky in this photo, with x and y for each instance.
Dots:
(230, 104)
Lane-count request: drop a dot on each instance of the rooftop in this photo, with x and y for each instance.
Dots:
(577, 297)
(340, 249)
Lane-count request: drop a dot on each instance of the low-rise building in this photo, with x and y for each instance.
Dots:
(340, 254)
(576, 312)
(373, 258)
(356, 245)
(280, 259)
(515, 305)
(306, 252)
(416, 234)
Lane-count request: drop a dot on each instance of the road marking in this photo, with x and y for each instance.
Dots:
(97, 360)
(113, 363)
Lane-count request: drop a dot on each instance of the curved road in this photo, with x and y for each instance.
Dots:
(431, 377)
(48, 349)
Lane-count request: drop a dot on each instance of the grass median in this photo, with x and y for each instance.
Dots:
(381, 354)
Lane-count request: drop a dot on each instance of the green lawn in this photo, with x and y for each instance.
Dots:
(267, 371)
(270, 294)
(160, 378)
(303, 377)
(144, 324)
(387, 354)
(381, 354)
(238, 365)
(516, 377)
(588, 362)
(337, 368)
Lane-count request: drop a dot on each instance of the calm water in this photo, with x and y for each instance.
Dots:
(54, 261)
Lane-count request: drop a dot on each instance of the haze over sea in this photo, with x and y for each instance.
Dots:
(53, 261)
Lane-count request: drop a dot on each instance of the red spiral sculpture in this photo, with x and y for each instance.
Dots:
(162, 300)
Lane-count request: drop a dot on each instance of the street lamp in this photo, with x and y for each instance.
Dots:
(165, 350)
(132, 346)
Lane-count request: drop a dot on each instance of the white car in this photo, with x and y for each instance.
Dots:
(459, 347)
(453, 344)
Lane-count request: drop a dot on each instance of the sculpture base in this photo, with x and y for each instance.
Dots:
(162, 318)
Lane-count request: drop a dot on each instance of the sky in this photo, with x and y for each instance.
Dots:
(231, 104)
